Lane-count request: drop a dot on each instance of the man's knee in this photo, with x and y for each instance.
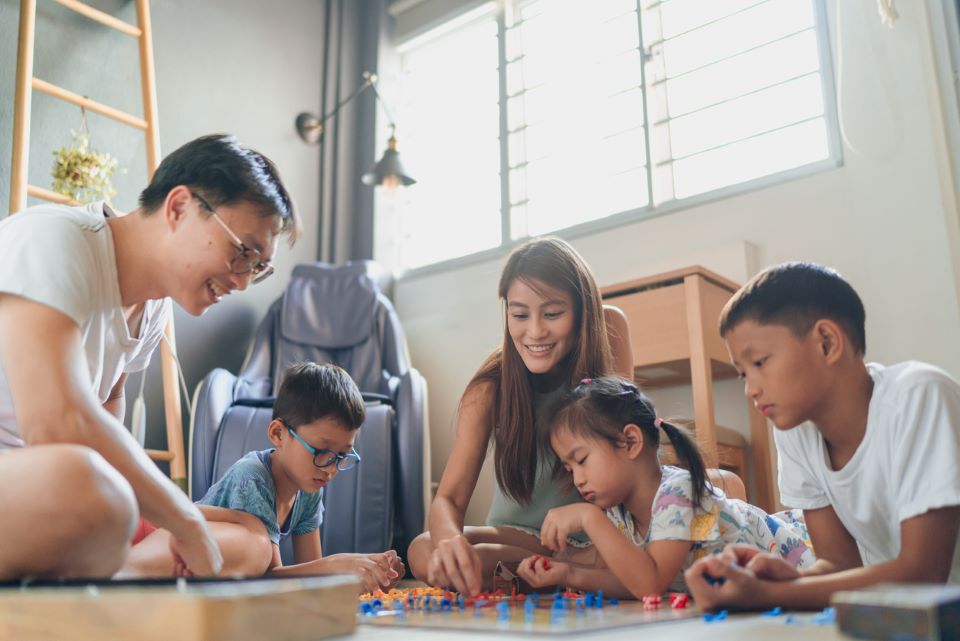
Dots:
(100, 502)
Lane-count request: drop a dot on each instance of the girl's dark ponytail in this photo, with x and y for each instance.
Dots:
(688, 452)
(601, 407)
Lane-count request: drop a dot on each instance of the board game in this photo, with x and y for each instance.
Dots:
(560, 613)
(294, 609)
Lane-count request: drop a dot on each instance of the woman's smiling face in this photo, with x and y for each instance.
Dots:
(541, 322)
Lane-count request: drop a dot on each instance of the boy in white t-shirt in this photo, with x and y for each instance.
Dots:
(870, 453)
(83, 302)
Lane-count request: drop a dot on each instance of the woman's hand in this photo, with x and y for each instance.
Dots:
(455, 563)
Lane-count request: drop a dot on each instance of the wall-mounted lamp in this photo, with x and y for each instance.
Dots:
(388, 171)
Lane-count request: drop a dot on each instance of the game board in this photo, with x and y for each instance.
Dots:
(293, 609)
(543, 614)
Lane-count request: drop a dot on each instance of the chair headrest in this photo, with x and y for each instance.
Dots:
(330, 306)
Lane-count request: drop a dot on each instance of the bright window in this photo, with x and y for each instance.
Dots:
(555, 113)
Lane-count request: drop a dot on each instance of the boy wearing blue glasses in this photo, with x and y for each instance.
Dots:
(316, 416)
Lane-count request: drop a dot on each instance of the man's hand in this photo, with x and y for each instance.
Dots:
(194, 550)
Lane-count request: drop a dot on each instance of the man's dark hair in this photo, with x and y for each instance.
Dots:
(797, 295)
(310, 392)
(224, 173)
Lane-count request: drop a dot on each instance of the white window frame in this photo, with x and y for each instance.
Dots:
(652, 210)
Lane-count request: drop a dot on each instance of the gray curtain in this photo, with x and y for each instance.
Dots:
(351, 35)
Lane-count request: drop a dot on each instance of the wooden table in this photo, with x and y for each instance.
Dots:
(674, 330)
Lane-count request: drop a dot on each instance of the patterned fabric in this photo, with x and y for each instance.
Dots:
(717, 522)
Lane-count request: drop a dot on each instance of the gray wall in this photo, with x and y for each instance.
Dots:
(240, 66)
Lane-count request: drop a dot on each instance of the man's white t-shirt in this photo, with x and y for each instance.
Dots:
(63, 257)
(907, 464)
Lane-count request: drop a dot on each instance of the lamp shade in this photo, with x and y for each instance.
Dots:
(388, 172)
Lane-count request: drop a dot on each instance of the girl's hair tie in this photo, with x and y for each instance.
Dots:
(658, 421)
(586, 381)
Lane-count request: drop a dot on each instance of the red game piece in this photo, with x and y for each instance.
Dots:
(679, 601)
(652, 602)
(546, 563)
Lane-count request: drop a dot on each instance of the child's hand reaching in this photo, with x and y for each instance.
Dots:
(763, 565)
(391, 562)
(561, 521)
(541, 571)
(375, 570)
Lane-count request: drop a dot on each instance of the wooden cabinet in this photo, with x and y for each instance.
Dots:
(676, 340)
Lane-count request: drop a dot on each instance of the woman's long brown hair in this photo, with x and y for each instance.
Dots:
(540, 262)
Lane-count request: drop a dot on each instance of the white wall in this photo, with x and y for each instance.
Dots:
(237, 66)
(881, 219)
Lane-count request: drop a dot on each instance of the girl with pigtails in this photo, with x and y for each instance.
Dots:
(647, 521)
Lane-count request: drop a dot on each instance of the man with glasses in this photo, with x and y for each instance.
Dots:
(316, 416)
(84, 298)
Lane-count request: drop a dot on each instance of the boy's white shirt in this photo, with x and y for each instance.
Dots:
(907, 464)
(63, 257)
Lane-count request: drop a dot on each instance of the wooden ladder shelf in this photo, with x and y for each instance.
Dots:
(20, 188)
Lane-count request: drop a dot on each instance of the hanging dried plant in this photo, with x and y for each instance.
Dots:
(81, 173)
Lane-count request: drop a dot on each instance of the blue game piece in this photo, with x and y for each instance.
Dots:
(777, 611)
(377, 603)
(503, 611)
(614, 601)
(790, 619)
(579, 605)
(599, 603)
(535, 597)
(718, 616)
(460, 603)
(588, 599)
(528, 609)
(445, 604)
(366, 608)
(712, 580)
(827, 617)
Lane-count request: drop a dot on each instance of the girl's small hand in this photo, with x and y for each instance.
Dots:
(542, 572)
(561, 521)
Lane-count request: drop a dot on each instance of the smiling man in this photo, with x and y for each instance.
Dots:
(84, 298)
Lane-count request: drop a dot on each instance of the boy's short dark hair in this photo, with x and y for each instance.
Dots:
(797, 295)
(310, 392)
(224, 173)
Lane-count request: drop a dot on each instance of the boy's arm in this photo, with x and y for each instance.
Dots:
(834, 546)
(50, 386)
(306, 547)
(927, 545)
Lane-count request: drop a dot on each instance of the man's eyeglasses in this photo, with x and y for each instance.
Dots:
(325, 458)
(247, 259)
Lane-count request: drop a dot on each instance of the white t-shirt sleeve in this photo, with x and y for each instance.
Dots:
(44, 258)
(796, 452)
(926, 475)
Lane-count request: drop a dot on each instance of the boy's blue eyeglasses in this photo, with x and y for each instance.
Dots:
(325, 458)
